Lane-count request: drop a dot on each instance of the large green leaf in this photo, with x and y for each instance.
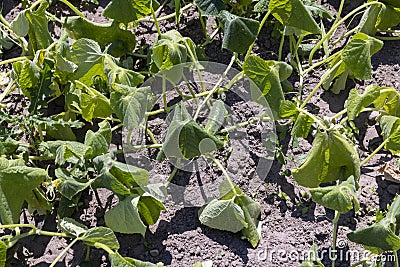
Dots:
(3, 254)
(99, 141)
(94, 104)
(391, 130)
(389, 100)
(293, 13)
(16, 183)
(381, 236)
(251, 210)
(69, 186)
(65, 151)
(119, 75)
(341, 197)
(120, 41)
(127, 10)
(118, 177)
(87, 55)
(239, 32)
(357, 54)
(268, 75)
(39, 35)
(210, 7)
(331, 157)
(389, 16)
(125, 217)
(223, 215)
(186, 139)
(131, 107)
(356, 102)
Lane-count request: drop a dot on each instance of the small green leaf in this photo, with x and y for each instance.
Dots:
(149, 208)
(251, 211)
(39, 35)
(341, 197)
(93, 104)
(288, 109)
(356, 102)
(68, 185)
(3, 254)
(72, 227)
(302, 125)
(127, 10)
(216, 117)
(223, 215)
(389, 100)
(391, 130)
(293, 13)
(118, 261)
(330, 153)
(119, 75)
(210, 8)
(125, 218)
(268, 75)
(100, 235)
(357, 54)
(20, 25)
(99, 141)
(234, 26)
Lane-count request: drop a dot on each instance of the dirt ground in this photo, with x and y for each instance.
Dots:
(290, 224)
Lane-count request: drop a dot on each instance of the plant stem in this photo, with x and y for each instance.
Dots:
(313, 66)
(259, 30)
(224, 172)
(374, 152)
(335, 230)
(336, 25)
(315, 118)
(171, 176)
(396, 259)
(321, 81)
(73, 8)
(15, 59)
(281, 43)
(64, 252)
(10, 87)
(170, 16)
(245, 123)
(212, 91)
(156, 21)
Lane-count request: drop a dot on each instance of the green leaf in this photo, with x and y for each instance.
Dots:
(223, 215)
(125, 218)
(288, 109)
(388, 17)
(357, 54)
(39, 35)
(251, 211)
(149, 208)
(391, 130)
(20, 25)
(69, 186)
(119, 75)
(118, 177)
(268, 75)
(186, 139)
(3, 254)
(8, 146)
(381, 236)
(16, 183)
(127, 10)
(216, 117)
(313, 259)
(72, 227)
(330, 153)
(131, 108)
(99, 141)
(87, 55)
(120, 41)
(302, 125)
(100, 235)
(389, 100)
(394, 3)
(93, 104)
(65, 151)
(341, 197)
(234, 26)
(293, 13)
(210, 8)
(261, 6)
(118, 261)
(356, 102)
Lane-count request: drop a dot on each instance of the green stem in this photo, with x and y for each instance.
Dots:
(313, 66)
(315, 118)
(156, 21)
(15, 59)
(10, 87)
(259, 30)
(171, 176)
(243, 124)
(382, 145)
(322, 80)
(64, 252)
(104, 247)
(157, 146)
(388, 38)
(281, 43)
(73, 8)
(336, 25)
(396, 259)
(224, 172)
(170, 16)
(335, 230)
(216, 86)
(339, 13)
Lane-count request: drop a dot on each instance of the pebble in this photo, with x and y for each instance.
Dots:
(154, 252)
(198, 251)
(179, 256)
(393, 189)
